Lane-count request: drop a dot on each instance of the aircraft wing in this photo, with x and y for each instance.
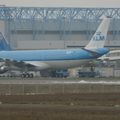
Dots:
(24, 64)
(9, 62)
(40, 64)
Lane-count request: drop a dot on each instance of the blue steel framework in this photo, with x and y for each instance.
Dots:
(58, 14)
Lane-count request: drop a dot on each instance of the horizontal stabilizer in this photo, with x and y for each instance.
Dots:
(93, 53)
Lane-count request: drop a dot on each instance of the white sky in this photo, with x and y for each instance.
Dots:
(62, 3)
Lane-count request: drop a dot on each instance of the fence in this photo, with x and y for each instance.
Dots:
(28, 89)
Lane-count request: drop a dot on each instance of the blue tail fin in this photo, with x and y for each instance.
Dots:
(4, 45)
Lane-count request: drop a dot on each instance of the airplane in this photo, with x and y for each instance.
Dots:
(54, 59)
(112, 55)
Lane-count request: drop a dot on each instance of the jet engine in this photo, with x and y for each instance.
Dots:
(3, 69)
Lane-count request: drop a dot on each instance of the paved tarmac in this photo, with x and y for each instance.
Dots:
(59, 81)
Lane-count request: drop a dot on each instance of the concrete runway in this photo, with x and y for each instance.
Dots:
(59, 81)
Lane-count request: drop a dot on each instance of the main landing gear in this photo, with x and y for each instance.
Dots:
(27, 75)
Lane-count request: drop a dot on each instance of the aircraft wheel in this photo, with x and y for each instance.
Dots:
(23, 75)
(27, 75)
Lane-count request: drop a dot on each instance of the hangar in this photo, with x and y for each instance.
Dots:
(58, 28)
(51, 28)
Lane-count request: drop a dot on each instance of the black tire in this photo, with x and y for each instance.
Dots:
(23, 75)
(31, 75)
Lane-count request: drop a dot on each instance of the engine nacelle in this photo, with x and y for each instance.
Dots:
(3, 69)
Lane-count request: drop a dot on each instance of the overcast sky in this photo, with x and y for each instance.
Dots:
(62, 3)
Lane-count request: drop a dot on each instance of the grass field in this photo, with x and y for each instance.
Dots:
(84, 106)
(58, 101)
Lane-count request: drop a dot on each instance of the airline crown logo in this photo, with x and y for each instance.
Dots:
(99, 37)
